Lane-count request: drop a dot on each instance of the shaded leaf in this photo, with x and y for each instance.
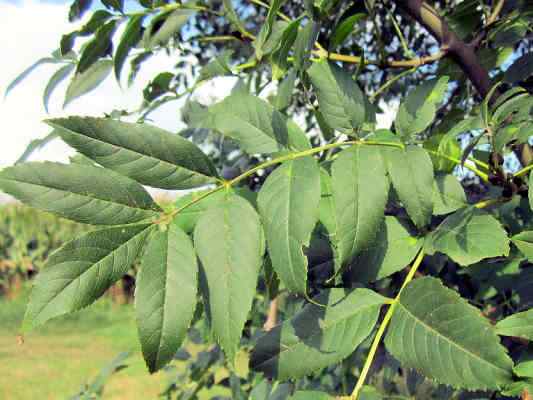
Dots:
(320, 335)
(230, 243)
(165, 295)
(468, 236)
(436, 332)
(448, 194)
(129, 39)
(288, 202)
(97, 47)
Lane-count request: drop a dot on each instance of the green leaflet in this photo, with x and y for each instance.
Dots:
(310, 395)
(220, 66)
(419, 108)
(24, 74)
(279, 58)
(266, 29)
(341, 101)
(317, 336)
(288, 203)
(468, 236)
(143, 152)
(82, 270)
(411, 173)
(448, 194)
(59, 76)
(524, 242)
(520, 325)
(165, 26)
(392, 250)
(327, 215)
(97, 47)
(88, 80)
(231, 14)
(443, 145)
(79, 192)
(360, 192)
(230, 243)
(439, 334)
(165, 295)
(303, 45)
(129, 39)
(255, 124)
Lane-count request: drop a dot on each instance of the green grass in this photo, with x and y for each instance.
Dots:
(57, 358)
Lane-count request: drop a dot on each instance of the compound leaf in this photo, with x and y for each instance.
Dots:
(82, 270)
(81, 193)
(143, 152)
(321, 335)
(436, 332)
(288, 203)
(165, 295)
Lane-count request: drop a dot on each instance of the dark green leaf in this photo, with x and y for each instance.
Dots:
(98, 47)
(304, 44)
(165, 294)
(285, 90)
(143, 152)
(344, 29)
(79, 192)
(448, 194)
(82, 270)
(288, 203)
(230, 243)
(436, 332)
(266, 29)
(129, 39)
(170, 24)
(280, 62)
(340, 100)
(77, 9)
(360, 193)
(468, 236)
(117, 5)
(411, 173)
(419, 108)
(321, 335)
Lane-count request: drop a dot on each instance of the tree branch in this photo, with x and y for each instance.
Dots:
(463, 54)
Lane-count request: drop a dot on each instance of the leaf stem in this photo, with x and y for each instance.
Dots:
(277, 160)
(481, 174)
(383, 327)
(524, 170)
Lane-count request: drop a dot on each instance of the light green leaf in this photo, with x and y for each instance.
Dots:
(59, 76)
(310, 395)
(36, 144)
(436, 332)
(392, 250)
(285, 90)
(340, 100)
(88, 80)
(129, 39)
(519, 325)
(468, 236)
(419, 108)
(411, 173)
(524, 242)
(318, 335)
(360, 192)
(79, 192)
(304, 44)
(230, 243)
(445, 146)
(165, 295)
(172, 22)
(448, 194)
(24, 74)
(82, 270)
(255, 124)
(288, 203)
(143, 152)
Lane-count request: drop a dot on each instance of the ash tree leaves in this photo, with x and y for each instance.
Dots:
(288, 203)
(360, 191)
(165, 294)
(439, 334)
(88, 80)
(468, 236)
(417, 111)
(82, 270)
(519, 325)
(229, 241)
(129, 39)
(341, 101)
(78, 192)
(164, 26)
(317, 336)
(145, 153)
(524, 242)
(448, 194)
(411, 173)
(254, 124)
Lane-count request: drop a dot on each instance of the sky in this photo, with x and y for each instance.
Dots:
(31, 29)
